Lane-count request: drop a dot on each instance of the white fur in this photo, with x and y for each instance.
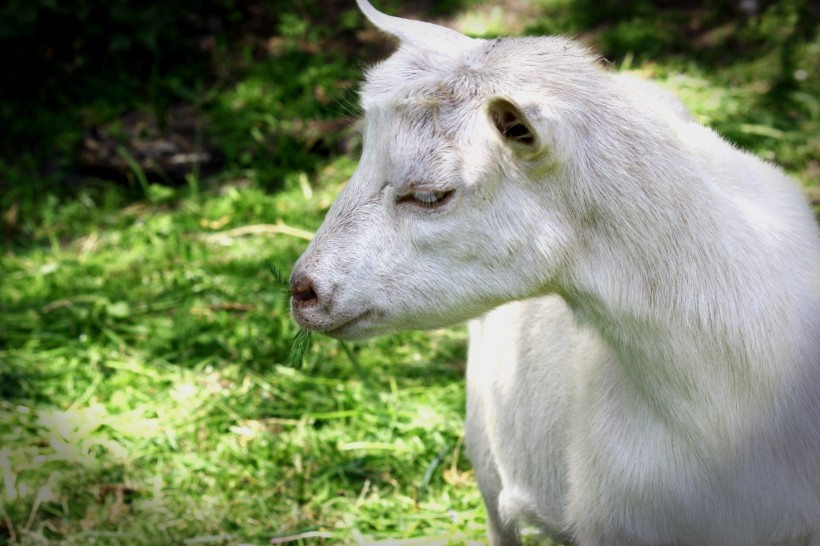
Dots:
(645, 368)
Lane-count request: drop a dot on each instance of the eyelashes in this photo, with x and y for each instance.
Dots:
(426, 199)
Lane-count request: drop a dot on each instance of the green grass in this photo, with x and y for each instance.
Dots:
(149, 389)
(147, 400)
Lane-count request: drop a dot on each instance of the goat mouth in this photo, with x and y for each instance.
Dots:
(356, 327)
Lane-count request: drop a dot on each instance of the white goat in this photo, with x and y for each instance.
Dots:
(645, 368)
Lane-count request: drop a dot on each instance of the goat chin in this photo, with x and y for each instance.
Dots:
(644, 362)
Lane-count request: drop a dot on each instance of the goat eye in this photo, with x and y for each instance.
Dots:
(426, 199)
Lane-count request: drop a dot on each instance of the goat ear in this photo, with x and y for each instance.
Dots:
(514, 126)
(418, 33)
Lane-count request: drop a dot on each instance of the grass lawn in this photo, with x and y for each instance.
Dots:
(148, 394)
(147, 397)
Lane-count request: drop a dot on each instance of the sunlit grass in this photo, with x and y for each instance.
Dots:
(148, 397)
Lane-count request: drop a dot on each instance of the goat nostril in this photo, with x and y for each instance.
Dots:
(302, 291)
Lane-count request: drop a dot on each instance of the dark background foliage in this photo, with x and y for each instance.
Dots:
(70, 66)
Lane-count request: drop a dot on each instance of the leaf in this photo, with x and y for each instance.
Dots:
(299, 345)
(280, 277)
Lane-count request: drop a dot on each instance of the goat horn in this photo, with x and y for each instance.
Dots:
(409, 31)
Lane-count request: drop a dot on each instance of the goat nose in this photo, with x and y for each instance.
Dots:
(301, 289)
